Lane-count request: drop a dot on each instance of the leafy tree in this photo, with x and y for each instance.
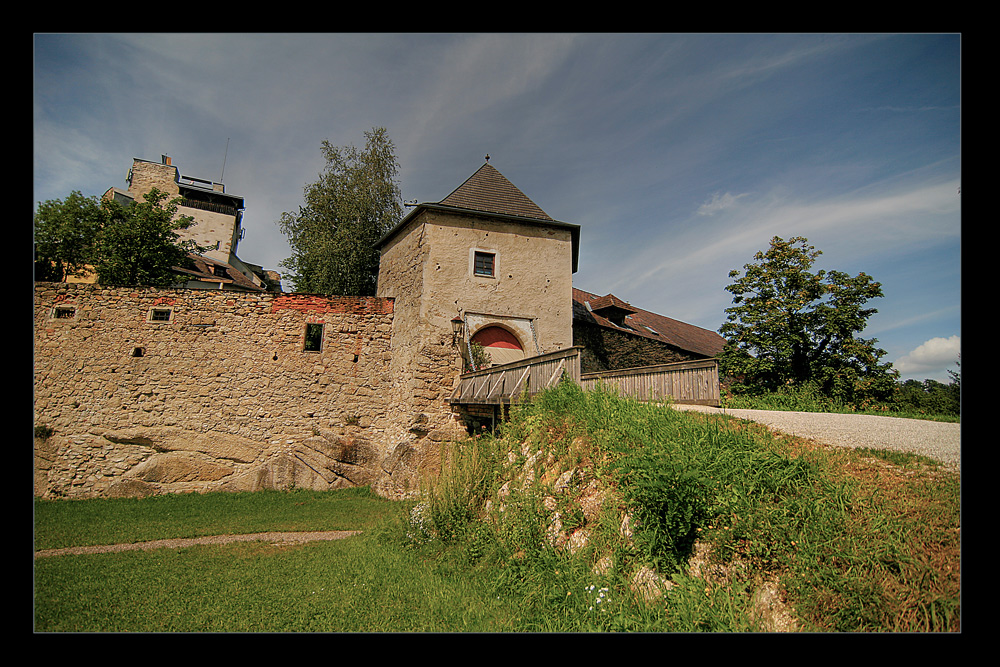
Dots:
(790, 326)
(956, 377)
(139, 244)
(65, 233)
(347, 210)
(930, 397)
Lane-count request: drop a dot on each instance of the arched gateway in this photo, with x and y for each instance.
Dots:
(502, 346)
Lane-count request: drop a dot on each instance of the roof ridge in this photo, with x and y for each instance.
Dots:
(489, 191)
(666, 329)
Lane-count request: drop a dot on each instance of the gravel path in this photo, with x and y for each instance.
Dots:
(276, 538)
(938, 440)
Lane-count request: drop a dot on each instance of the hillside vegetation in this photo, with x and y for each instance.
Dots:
(593, 512)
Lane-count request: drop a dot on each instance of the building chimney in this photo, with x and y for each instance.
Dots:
(166, 159)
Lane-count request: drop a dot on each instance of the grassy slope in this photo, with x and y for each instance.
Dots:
(830, 540)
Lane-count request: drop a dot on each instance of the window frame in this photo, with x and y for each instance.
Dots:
(58, 313)
(152, 315)
(484, 254)
(316, 339)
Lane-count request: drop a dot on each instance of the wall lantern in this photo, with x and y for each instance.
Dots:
(456, 328)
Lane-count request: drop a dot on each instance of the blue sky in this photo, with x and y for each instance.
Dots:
(679, 155)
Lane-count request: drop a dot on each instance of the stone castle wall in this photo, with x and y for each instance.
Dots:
(141, 391)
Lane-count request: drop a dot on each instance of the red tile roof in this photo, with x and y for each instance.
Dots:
(643, 323)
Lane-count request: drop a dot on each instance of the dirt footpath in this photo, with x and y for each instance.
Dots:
(275, 538)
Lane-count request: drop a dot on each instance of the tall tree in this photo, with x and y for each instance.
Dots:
(140, 245)
(347, 210)
(789, 325)
(66, 233)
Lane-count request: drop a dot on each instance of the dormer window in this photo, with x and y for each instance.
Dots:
(484, 264)
(612, 309)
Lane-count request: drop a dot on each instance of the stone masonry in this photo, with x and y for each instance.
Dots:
(142, 391)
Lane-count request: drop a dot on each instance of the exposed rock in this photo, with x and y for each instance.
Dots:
(173, 467)
(131, 488)
(770, 611)
(650, 585)
(168, 439)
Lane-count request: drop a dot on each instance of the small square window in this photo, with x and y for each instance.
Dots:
(63, 312)
(314, 338)
(160, 314)
(484, 264)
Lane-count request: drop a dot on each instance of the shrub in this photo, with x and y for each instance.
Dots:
(670, 506)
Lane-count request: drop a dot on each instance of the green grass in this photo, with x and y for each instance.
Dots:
(806, 400)
(853, 540)
(68, 523)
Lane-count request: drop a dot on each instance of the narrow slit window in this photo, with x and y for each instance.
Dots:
(314, 338)
(64, 313)
(484, 264)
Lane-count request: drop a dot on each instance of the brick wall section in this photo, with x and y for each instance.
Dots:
(116, 388)
(341, 305)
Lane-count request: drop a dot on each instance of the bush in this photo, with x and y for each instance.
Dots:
(670, 507)
(929, 397)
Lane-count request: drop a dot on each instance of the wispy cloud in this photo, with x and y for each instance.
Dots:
(719, 202)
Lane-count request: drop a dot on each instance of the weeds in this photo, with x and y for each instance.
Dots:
(766, 509)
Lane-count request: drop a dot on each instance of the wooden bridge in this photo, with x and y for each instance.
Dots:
(689, 382)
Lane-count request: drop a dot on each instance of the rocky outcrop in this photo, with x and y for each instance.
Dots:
(144, 461)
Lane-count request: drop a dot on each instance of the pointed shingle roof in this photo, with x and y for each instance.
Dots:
(487, 190)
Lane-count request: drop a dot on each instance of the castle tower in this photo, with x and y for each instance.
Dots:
(217, 215)
(487, 261)
(487, 255)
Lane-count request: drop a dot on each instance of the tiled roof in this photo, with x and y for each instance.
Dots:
(487, 190)
(610, 302)
(208, 270)
(643, 323)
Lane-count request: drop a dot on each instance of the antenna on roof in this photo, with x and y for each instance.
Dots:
(222, 176)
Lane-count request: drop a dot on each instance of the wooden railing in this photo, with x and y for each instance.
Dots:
(499, 384)
(689, 382)
(693, 382)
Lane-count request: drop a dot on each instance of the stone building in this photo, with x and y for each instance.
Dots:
(616, 335)
(218, 218)
(488, 257)
(141, 390)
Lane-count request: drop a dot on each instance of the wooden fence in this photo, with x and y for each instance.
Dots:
(693, 382)
(689, 382)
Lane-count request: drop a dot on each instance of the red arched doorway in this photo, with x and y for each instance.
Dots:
(502, 345)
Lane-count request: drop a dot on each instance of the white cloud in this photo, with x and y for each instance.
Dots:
(719, 203)
(934, 355)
